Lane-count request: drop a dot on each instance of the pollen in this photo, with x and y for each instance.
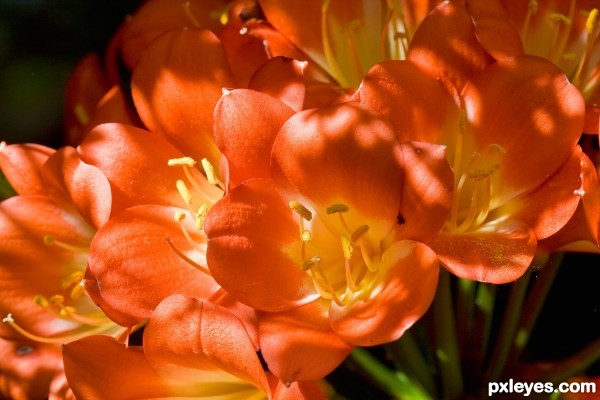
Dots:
(592, 21)
(179, 216)
(210, 172)
(347, 247)
(183, 161)
(183, 191)
(300, 209)
(201, 216)
(306, 236)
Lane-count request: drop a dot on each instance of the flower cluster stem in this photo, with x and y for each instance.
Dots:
(395, 383)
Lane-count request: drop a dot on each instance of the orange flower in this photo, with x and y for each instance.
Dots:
(340, 39)
(191, 349)
(325, 233)
(564, 32)
(511, 128)
(47, 229)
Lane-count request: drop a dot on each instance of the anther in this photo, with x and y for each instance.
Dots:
(337, 208)
(201, 216)
(558, 17)
(347, 247)
(300, 209)
(183, 161)
(210, 172)
(309, 263)
(179, 216)
(306, 236)
(592, 21)
(183, 191)
(359, 233)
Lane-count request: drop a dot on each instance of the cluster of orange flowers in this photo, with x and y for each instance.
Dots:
(257, 187)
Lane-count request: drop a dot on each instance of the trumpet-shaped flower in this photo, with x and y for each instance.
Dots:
(191, 349)
(325, 234)
(341, 40)
(47, 229)
(564, 32)
(511, 128)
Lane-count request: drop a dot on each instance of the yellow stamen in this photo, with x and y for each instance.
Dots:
(50, 240)
(347, 247)
(592, 21)
(337, 208)
(179, 216)
(81, 114)
(185, 258)
(201, 216)
(64, 338)
(210, 172)
(301, 210)
(592, 26)
(183, 161)
(183, 191)
(188, 12)
(359, 233)
(306, 236)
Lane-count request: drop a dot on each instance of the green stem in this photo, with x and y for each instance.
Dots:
(484, 303)
(408, 356)
(446, 341)
(395, 383)
(508, 328)
(465, 309)
(533, 305)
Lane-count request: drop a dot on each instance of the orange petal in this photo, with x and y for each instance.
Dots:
(408, 288)
(156, 17)
(245, 53)
(445, 45)
(427, 191)
(21, 164)
(342, 154)
(548, 208)
(299, 345)
(253, 236)
(98, 367)
(299, 391)
(400, 85)
(74, 182)
(246, 123)
(176, 64)
(300, 22)
(494, 29)
(200, 341)
(497, 254)
(128, 156)
(131, 256)
(525, 104)
(283, 79)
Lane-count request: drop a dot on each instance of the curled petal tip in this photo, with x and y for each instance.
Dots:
(225, 91)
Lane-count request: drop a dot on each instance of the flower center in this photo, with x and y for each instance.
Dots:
(340, 259)
(475, 184)
(348, 46)
(553, 38)
(198, 194)
(82, 318)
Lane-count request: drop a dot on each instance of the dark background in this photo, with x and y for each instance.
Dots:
(40, 42)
